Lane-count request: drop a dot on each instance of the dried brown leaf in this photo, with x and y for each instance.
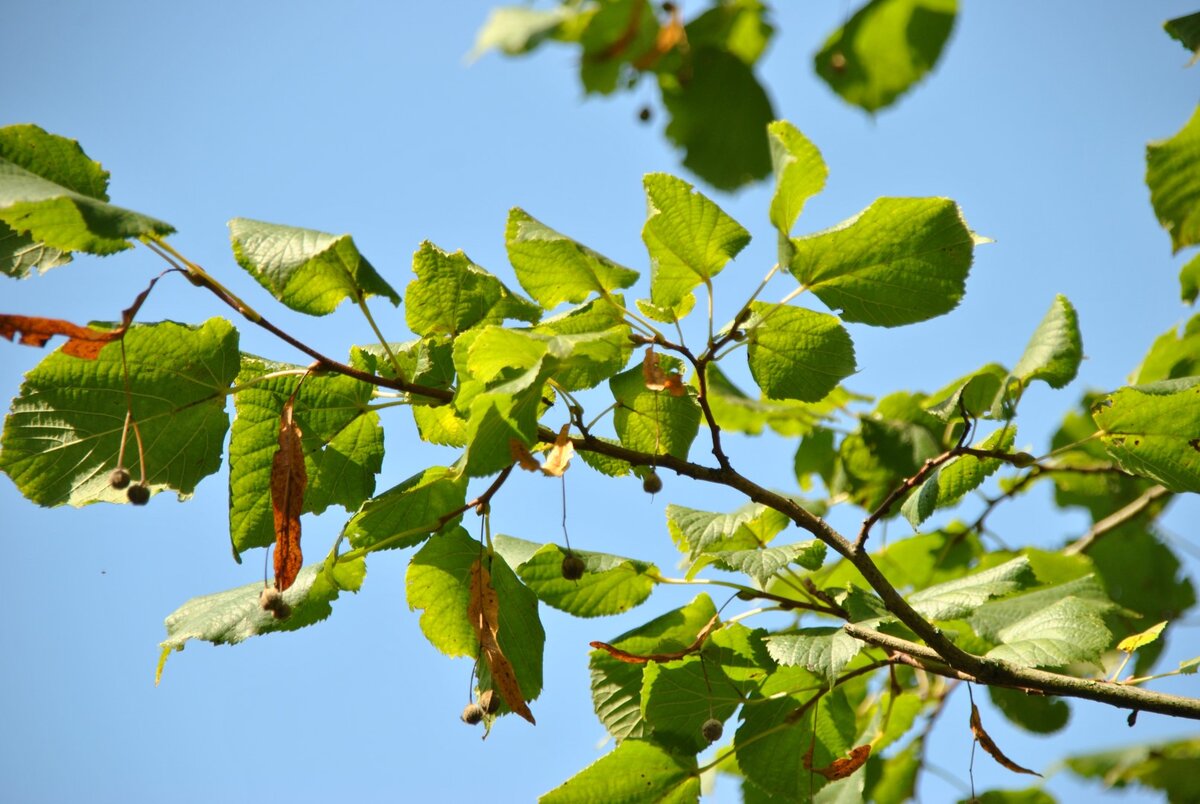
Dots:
(986, 743)
(841, 767)
(288, 480)
(483, 609)
(521, 454)
(658, 380)
(559, 459)
(634, 658)
(84, 342)
(669, 37)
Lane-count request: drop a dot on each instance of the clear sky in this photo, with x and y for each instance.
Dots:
(366, 118)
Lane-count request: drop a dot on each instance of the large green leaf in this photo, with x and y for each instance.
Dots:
(309, 271)
(602, 350)
(617, 685)
(1173, 175)
(451, 294)
(1154, 431)
(635, 772)
(762, 563)
(678, 697)
(342, 438)
(653, 421)
(719, 115)
(1171, 356)
(409, 512)
(229, 617)
(63, 433)
(741, 27)
(35, 203)
(689, 239)
(993, 617)
(824, 651)
(796, 353)
(900, 261)
(1067, 631)
(800, 173)
(1056, 348)
(697, 532)
(438, 583)
(951, 481)
(553, 268)
(885, 48)
(957, 598)
(610, 584)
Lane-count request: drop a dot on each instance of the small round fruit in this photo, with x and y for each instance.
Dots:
(489, 702)
(652, 483)
(472, 714)
(572, 567)
(644, 114)
(712, 729)
(138, 494)
(1022, 459)
(119, 478)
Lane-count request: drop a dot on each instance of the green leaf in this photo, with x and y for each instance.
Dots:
(1189, 280)
(1154, 431)
(516, 29)
(229, 617)
(689, 239)
(653, 421)
(409, 512)
(1055, 350)
(958, 598)
(990, 619)
(1067, 631)
(824, 651)
(884, 49)
(740, 27)
(439, 583)
(1139, 640)
(610, 584)
(736, 411)
(636, 771)
(1186, 31)
(441, 425)
(1171, 356)
(553, 268)
(742, 656)
(341, 436)
(796, 353)
(1173, 176)
(62, 435)
(451, 294)
(951, 481)
(800, 173)
(1030, 795)
(309, 271)
(1143, 574)
(719, 116)
(55, 159)
(900, 261)
(498, 418)
(891, 444)
(977, 392)
(1170, 767)
(816, 455)
(896, 714)
(678, 697)
(696, 532)
(617, 685)
(761, 564)
(597, 357)
(1038, 714)
(898, 777)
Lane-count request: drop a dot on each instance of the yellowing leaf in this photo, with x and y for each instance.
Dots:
(560, 454)
(483, 610)
(1134, 641)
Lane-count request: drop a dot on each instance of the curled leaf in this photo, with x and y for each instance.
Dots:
(659, 380)
(841, 767)
(986, 743)
(82, 342)
(521, 454)
(634, 658)
(483, 610)
(288, 479)
(560, 454)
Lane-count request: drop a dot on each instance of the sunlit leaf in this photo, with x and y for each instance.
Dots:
(1056, 348)
(653, 421)
(677, 698)
(452, 294)
(1064, 632)
(800, 173)
(1173, 175)
(824, 651)
(1154, 431)
(635, 771)
(961, 596)
(796, 353)
(951, 481)
(410, 511)
(517, 29)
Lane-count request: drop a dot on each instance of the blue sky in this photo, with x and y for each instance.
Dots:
(367, 118)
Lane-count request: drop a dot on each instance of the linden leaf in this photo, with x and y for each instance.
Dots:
(288, 479)
(986, 743)
(484, 613)
(1134, 641)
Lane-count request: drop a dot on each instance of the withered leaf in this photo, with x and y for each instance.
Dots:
(986, 743)
(635, 658)
(483, 609)
(560, 454)
(658, 380)
(669, 36)
(288, 479)
(83, 342)
(841, 767)
(521, 454)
